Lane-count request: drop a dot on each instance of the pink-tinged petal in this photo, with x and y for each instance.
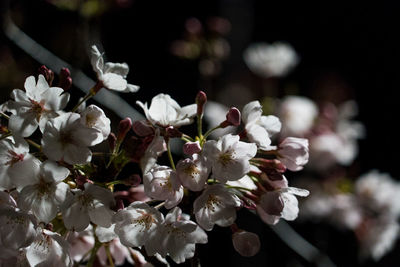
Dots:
(259, 136)
(246, 243)
(20, 98)
(270, 123)
(272, 203)
(25, 172)
(291, 207)
(41, 85)
(30, 85)
(267, 218)
(73, 154)
(55, 98)
(106, 234)
(101, 214)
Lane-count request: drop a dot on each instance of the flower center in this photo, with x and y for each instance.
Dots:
(37, 108)
(14, 157)
(65, 138)
(212, 202)
(225, 158)
(167, 184)
(191, 170)
(90, 120)
(146, 220)
(43, 188)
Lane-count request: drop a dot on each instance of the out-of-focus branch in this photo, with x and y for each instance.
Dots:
(106, 98)
(301, 246)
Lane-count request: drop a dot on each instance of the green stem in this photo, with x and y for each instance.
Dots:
(89, 95)
(209, 132)
(109, 256)
(4, 136)
(33, 143)
(4, 115)
(114, 183)
(96, 247)
(171, 160)
(187, 138)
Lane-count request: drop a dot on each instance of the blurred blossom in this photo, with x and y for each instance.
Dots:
(271, 60)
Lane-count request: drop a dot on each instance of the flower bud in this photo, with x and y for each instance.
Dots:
(120, 204)
(65, 81)
(232, 118)
(123, 127)
(191, 148)
(142, 128)
(47, 73)
(246, 243)
(201, 100)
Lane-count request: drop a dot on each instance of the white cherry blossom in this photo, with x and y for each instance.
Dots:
(297, 114)
(17, 165)
(35, 106)
(134, 224)
(18, 229)
(259, 128)
(162, 183)
(270, 60)
(165, 111)
(49, 249)
(193, 172)
(280, 203)
(112, 75)
(216, 205)
(94, 117)
(91, 205)
(293, 153)
(46, 192)
(176, 237)
(65, 138)
(229, 157)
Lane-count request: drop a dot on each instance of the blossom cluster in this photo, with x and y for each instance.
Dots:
(60, 205)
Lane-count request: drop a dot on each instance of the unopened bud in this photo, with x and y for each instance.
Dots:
(142, 128)
(123, 127)
(233, 118)
(133, 180)
(246, 243)
(65, 81)
(120, 204)
(47, 73)
(112, 141)
(191, 148)
(201, 100)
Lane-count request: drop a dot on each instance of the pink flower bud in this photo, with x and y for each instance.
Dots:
(142, 128)
(120, 204)
(47, 73)
(233, 116)
(246, 243)
(123, 127)
(65, 81)
(133, 180)
(201, 100)
(191, 148)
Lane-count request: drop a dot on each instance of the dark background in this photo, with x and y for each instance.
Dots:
(348, 51)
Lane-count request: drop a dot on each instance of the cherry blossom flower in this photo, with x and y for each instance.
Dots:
(65, 138)
(246, 243)
(94, 117)
(49, 249)
(162, 183)
(18, 229)
(259, 129)
(270, 60)
(91, 205)
(229, 157)
(293, 153)
(134, 224)
(176, 237)
(280, 203)
(153, 151)
(16, 164)
(164, 111)
(297, 114)
(81, 243)
(216, 205)
(112, 75)
(193, 172)
(35, 106)
(46, 192)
